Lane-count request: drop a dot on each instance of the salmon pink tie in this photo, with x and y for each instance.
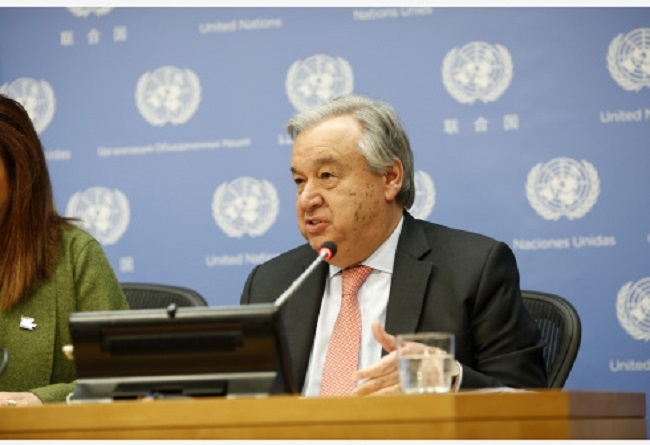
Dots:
(343, 350)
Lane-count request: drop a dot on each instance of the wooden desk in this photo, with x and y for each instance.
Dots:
(520, 415)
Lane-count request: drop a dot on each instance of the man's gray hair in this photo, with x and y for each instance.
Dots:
(383, 141)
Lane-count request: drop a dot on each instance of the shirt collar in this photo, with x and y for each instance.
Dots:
(383, 258)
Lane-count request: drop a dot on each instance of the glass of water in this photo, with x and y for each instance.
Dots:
(426, 362)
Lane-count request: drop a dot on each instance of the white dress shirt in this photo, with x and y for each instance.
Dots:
(373, 300)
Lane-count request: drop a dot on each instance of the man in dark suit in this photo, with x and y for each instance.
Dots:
(353, 169)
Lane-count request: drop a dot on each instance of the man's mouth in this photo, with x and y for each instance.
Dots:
(314, 225)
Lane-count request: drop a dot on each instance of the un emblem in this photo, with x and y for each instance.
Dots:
(36, 96)
(633, 308)
(245, 206)
(425, 196)
(168, 95)
(477, 71)
(86, 12)
(628, 59)
(318, 79)
(104, 213)
(562, 187)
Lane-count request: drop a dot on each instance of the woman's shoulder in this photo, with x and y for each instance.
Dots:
(76, 238)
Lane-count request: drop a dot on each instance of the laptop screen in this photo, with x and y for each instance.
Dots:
(180, 352)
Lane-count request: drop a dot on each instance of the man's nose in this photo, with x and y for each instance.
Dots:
(309, 197)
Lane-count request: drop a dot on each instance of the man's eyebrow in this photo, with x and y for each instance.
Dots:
(319, 162)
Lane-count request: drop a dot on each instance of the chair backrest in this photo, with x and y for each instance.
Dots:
(559, 324)
(155, 296)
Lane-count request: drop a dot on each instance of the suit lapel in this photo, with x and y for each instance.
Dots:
(410, 278)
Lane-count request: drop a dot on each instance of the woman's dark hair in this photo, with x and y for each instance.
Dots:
(30, 226)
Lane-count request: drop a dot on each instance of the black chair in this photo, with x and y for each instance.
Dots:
(559, 324)
(156, 296)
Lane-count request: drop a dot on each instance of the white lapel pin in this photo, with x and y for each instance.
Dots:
(27, 323)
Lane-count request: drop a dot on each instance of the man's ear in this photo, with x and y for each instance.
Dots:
(394, 176)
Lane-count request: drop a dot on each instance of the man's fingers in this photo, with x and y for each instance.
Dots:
(380, 377)
(386, 340)
(382, 385)
(386, 365)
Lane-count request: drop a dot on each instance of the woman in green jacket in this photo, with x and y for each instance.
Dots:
(49, 268)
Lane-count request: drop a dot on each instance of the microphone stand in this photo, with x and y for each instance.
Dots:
(327, 251)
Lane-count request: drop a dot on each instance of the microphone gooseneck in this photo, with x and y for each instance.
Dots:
(326, 251)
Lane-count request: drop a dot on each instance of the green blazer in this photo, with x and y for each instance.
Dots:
(83, 281)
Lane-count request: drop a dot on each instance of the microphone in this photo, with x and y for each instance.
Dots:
(325, 252)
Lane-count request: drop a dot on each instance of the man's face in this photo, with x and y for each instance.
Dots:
(338, 198)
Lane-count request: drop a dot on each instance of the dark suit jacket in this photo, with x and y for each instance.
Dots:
(444, 279)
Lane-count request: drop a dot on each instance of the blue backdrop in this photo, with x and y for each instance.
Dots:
(164, 131)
